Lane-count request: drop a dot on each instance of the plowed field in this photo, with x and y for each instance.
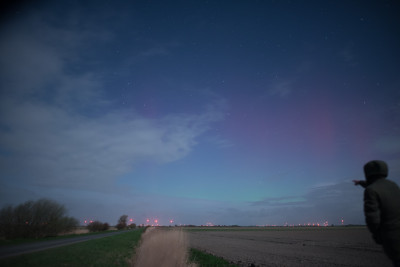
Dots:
(324, 246)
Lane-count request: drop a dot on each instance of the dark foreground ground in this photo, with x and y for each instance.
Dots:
(340, 246)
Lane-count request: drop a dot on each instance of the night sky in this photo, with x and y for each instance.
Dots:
(199, 112)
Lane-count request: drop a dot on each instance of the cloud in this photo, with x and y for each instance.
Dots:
(57, 128)
(62, 137)
(38, 61)
(330, 202)
(281, 201)
(221, 142)
(56, 147)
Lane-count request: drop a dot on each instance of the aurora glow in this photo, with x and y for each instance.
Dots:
(199, 112)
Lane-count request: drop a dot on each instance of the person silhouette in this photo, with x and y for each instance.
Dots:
(382, 208)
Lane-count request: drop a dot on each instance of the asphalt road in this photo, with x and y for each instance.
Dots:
(14, 250)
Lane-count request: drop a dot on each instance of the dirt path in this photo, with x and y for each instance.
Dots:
(325, 247)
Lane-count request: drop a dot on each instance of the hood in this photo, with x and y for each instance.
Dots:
(374, 170)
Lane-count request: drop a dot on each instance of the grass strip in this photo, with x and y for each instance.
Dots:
(207, 260)
(19, 241)
(108, 251)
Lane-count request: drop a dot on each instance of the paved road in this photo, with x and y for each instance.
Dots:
(14, 250)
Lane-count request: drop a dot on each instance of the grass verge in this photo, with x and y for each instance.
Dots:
(203, 259)
(18, 241)
(108, 251)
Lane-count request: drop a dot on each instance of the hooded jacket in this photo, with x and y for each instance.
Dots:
(382, 206)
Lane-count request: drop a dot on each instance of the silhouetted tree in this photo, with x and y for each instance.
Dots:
(122, 222)
(36, 219)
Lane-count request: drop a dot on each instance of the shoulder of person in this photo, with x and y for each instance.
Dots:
(392, 183)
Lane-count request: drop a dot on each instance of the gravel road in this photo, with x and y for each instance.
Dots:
(8, 251)
(345, 246)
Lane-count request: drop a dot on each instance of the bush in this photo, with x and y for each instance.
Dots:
(132, 226)
(120, 226)
(97, 226)
(122, 222)
(35, 219)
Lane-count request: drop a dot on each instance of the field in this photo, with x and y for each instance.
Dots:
(286, 246)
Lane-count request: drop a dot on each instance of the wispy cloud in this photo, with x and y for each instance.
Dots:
(221, 142)
(281, 201)
(54, 134)
(330, 202)
(56, 147)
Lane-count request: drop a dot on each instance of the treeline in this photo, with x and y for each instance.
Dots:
(35, 219)
(97, 226)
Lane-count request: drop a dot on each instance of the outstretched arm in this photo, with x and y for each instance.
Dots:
(360, 182)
